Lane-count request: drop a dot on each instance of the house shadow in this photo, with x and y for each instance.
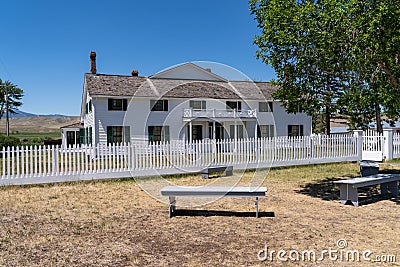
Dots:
(326, 190)
(209, 213)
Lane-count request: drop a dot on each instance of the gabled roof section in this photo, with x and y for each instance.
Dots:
(188, 71)
(137, 86)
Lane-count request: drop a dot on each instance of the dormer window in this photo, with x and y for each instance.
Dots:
(117, 104)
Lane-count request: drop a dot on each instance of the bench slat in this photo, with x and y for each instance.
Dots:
(370, 180)
(213, 191)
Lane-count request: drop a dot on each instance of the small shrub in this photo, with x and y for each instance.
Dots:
(9, 141)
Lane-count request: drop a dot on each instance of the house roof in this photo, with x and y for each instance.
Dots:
(74, 125)
(139, 86)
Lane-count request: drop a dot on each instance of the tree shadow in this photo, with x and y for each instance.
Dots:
(325, 189)
(209, 213)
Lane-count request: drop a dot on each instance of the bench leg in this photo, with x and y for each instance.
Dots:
(171, 206)
(256, 207)
(347, 192)
(393, 187)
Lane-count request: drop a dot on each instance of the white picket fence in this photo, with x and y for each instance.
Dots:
(396, 145)
(46, 164)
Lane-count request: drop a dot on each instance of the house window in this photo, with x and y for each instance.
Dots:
(117, 104)
(198, 104)
(231, 105)
(265, 131)
(239, 131)
(118, 134)
(159, 105)
(72, 137)
(295, 130)
(265, 106)
(158, 133)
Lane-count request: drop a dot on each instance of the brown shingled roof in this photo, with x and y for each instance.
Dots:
(117, 85)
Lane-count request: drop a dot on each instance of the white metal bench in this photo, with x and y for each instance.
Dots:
(349, 187)
(210, 191)
(215, 169)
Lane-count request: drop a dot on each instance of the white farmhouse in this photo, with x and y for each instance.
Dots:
(184, 102)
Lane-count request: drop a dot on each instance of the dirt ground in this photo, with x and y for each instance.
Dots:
(115, 223)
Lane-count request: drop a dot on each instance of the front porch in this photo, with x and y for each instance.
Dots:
(219, 124)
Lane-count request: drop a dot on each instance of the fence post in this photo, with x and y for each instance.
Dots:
(359, 136)
(388, 144)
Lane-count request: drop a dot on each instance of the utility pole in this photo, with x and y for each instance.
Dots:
(7, 118)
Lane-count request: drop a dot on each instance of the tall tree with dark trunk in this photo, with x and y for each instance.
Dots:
(305, 43)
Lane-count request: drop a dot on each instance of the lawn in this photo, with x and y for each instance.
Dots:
(115, 223)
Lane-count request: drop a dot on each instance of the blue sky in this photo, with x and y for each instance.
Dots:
(45, 45)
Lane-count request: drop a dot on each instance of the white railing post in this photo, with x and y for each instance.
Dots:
(359, 135)
(388, 144)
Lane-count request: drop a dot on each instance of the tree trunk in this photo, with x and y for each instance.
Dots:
(327, 120)
(379, 128)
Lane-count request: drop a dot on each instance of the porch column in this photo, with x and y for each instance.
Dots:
(236, 132)
(214, 133)
(359, 135)
(388, 144)
(190, 132)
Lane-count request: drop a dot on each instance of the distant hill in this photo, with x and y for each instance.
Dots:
(22, 114)
(38, 124)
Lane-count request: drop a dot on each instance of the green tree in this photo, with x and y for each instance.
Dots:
(375, 60)
(15, 94)
(305, 43)
(333, 56)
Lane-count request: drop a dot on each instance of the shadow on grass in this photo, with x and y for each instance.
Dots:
(326, 190)
(209, 213)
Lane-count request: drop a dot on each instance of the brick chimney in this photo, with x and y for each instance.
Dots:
(135, 73)
(208, 69)
(93, 63)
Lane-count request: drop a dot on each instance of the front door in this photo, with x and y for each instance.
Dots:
(219, 130)
(197, 132)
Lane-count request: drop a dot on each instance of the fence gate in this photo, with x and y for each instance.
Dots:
(373, 145)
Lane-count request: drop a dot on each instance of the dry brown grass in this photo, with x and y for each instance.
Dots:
(114, 223)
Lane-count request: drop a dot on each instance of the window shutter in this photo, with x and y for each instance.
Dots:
(271, 131)
(110, 102)
(191, 104)
(271, 106)
(90, 136)
(232, 131)
(110, 135)
(301, 130)
(127, 134)
(203, 105)
(165, 105)
(124, 104)
(151, 133)
(166, 133)
(152, 103)
(82, 135)
(239, 106)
